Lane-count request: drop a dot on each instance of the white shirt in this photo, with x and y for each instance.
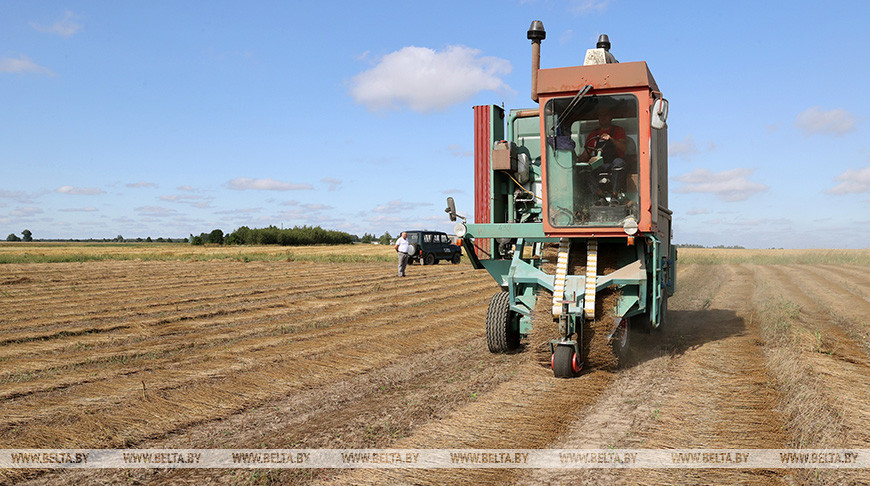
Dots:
(403, 245)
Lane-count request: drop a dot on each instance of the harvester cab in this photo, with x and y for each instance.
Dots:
(571, 210)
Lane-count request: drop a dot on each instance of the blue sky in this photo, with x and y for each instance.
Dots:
(170, 118)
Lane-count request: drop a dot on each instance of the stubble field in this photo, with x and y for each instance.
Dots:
(169, 346)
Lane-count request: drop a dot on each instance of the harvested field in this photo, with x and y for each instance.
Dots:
(171, 346)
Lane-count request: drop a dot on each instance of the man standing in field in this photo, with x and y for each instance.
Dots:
(403, 248)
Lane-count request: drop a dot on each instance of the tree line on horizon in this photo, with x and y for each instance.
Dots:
(296, 236)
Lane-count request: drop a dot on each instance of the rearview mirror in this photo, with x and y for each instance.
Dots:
(451, 210)
(659, 113)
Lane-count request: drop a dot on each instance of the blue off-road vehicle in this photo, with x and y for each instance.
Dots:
(430, 247)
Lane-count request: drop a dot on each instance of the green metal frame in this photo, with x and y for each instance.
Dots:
(521, 278)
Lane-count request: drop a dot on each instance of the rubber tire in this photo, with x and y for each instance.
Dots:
(456, 259)
(664, 320)
(621, 349)
(501, 334)
(428, 259)
(563, 362)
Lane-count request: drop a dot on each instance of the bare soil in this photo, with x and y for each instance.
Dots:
(227, 354)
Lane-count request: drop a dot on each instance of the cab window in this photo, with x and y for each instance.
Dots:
(592, 160)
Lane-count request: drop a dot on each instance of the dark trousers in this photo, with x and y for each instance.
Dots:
(403, 262)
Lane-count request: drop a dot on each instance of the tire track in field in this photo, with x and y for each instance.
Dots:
(697, 383)
(530, 411)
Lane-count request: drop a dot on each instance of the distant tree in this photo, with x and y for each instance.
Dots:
(386, 239)
(119, 238)
(13, 237)
(367, 238)
(196, 240)
(26, 235)
(216, 237)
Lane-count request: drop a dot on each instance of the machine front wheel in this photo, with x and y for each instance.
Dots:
(429, 259)
(663, 322)
(620, 340)
(456, 258)
(565, 362)
(501, 333)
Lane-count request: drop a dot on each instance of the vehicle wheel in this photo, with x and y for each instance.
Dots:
(429, 259)
(502, 334)
(456, 259)
(664, 319)
(641, 323)
(620, 340)
(565, 362)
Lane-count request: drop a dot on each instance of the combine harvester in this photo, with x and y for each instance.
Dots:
(571, 210)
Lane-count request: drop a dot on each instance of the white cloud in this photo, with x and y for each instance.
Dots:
(155, 211)
(852, 181)
(459, 151)
(244, 183)
(12, 194)
(239, 211)
(582, 7)
(22, 65)
(398, 206)
(333, 183)
(89, 209)
(185, 188)
(695, 212)
(136, 185)
(25, 211)
(688, 147)
(729, 185)
(316, 207)
(566, 37)
(80, 191)
(425, 80)
(66, 26)
(179, 197)
(832, 122)
(194, 200)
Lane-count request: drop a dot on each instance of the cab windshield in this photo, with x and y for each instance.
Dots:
(592, 160)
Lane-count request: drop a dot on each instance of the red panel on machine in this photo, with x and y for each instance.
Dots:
(482, 172)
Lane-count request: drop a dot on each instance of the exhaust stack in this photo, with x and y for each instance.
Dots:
(536, 34)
